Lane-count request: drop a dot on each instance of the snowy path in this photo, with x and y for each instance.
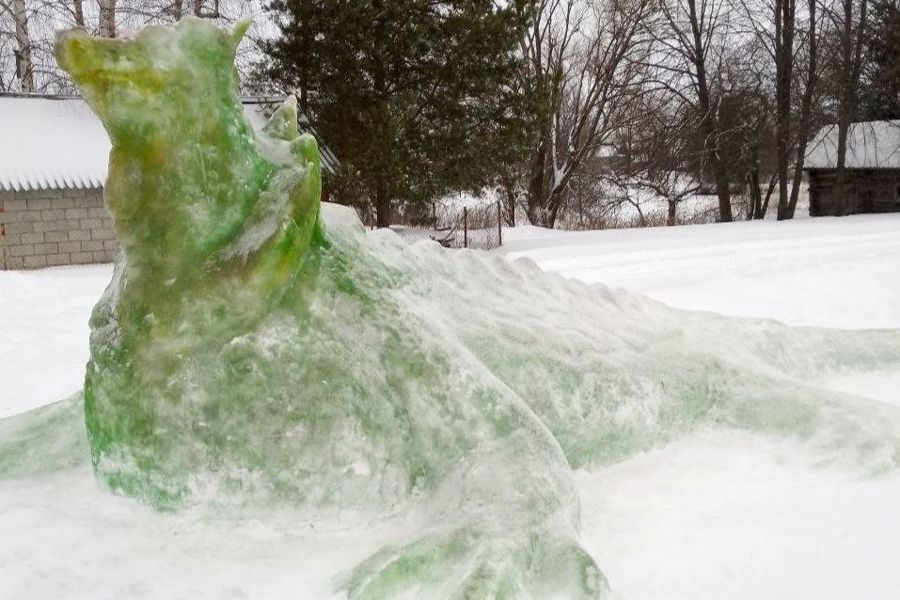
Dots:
(718, 515)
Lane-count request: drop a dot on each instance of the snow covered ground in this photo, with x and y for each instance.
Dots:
(44, 333)
(717, 515)
(820, 272)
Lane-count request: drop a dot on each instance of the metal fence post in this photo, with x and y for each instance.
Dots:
(465, 227)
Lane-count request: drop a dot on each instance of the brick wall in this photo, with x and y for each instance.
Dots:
(47, 228)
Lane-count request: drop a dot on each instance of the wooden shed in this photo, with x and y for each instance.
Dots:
(872, 169)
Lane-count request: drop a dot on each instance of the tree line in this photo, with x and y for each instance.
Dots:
(561, 106)
(27, 29)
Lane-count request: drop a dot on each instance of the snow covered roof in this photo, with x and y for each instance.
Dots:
(50, 143)
(870, 145)
(58, 143)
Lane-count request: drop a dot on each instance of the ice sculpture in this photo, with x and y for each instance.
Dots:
(250, 352)
(217, 230)
(239, 355)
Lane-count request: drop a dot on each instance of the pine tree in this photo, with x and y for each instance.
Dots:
(415, 97)
(880, 96)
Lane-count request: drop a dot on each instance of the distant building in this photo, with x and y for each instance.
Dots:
(872, 168)
(53, 160)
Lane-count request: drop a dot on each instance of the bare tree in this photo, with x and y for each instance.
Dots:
(691, 43)
(42, 18)
(579, 77)
(806, 106)
(785, 31)
(548, 52)
(656, 138)
(788, 39)
(850, 26)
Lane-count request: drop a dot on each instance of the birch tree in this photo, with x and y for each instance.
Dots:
(27, 29)
(24, 67)
(78, 12)
(108, 18)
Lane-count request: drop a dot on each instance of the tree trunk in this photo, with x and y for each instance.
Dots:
(536, 185)
(177, 9)
(708, 118)
(509, 200)
(108, 18)
(784, 66)
(198, 7)
(381, 121)
(840, 184)
(768, 196)
(670, 216)
(382, 203)
(805, 110)
(554, 205)
(840, 187)
(851, 60)
(752, 177)
(24, 66)
(723, 191)
(78, 11)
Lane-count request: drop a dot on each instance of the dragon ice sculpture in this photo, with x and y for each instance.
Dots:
(254, 348)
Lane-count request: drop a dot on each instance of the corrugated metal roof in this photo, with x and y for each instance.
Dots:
(870, 145)
(53, 142)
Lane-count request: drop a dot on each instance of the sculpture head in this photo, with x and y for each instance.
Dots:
(189, 182)
(138, 84)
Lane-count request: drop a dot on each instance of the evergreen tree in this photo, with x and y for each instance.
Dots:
(880, 95)
(416, 97)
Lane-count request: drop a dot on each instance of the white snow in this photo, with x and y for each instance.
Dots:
(51, 143)
(717, 515)
(44, 333)
(826, 271)
(883, 386)
(66, 537)
(732, 516)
